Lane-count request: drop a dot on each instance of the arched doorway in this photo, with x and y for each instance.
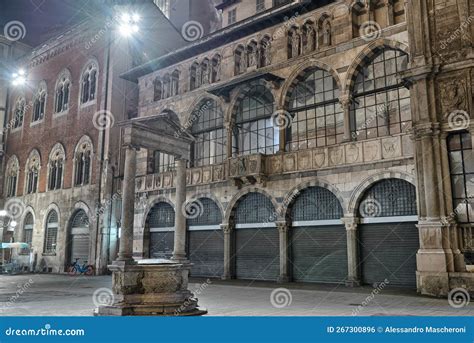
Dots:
(161, 224)
(256, 240)
(205, 238)
(388, 236)
(79, 238)
(318, 244)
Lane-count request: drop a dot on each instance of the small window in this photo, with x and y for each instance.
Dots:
(260, 5)
(51, 234)
(232, 16)
(28, 232)
(163, 163)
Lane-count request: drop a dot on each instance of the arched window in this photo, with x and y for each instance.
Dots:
(56, 167)
(254, 131)
(82, 162)
(28, 226)
(461, 162)
(12, 171)
(318, 118)
(205, 72)
(175, 83)
(51, 233)
(32, 172)
(294, 42)
(254, 208)
(19, 112)
(265, 52)
(381, 102)
(62, 92)
(194, 76)
(166, 86)
(208, 129)
(308, 38)
(216, 69)
(157, 90)
(252, 55)
(39, 102)
(325, 32)
(314, 204)
(240, 63)
(89, 83)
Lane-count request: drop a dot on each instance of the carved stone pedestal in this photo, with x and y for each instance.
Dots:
(150, 288)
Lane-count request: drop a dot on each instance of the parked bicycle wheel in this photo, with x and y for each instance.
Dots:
(72, 270)
(90, 270)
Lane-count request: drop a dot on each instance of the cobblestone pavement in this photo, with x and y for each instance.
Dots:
(61, 295)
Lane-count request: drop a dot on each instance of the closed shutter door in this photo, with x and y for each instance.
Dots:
(80, 248)
(206, 252)
(257, 254)
(319, 254)
(388, 251)
(161, 244)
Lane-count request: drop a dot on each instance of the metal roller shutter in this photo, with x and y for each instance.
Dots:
(257, 254)
(388, 251)
(161, 244)
(80, 248)
(206, 252)
(319, 254)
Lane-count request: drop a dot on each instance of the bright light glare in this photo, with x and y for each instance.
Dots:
(19, 78)
(13, 223)
(3, 213)
(128, 24)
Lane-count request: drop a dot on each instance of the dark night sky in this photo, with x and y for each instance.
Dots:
(44, 17)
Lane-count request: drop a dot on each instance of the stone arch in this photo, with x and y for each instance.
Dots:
(359, 191)
(229, 212)
(154, 202)
(58, 147)
(55, 207)
(198, 102)
(299, 74)
(291, 196)
(21, 225)
(367, 54)
(241, 94)
(208, 195)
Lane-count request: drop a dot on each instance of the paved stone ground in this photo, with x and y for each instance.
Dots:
(61, 295)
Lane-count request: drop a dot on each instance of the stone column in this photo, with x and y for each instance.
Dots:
(179, 253)
(226, 228)
(128, 205)
(346, 101)
(230, 139)
(283, 232)
(353, 279)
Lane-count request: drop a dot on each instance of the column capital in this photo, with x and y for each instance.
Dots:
(226, 228)
(345, 100)
(282, 226)
(351, 222)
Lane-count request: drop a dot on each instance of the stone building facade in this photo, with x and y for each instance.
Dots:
(62, 171)
(332, 144)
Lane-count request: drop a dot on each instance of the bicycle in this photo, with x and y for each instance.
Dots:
(77, 269)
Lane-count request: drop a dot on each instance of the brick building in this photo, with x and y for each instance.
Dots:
(332, 144)
(62, 165)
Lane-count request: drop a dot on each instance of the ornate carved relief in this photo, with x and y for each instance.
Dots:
(304, 160)
(319, 158)
(336, 156)
(454, 96)
(391, 148)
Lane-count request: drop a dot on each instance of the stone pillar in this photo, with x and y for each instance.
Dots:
(179, 253)
(283, 233)
(128, 205)
(346, 102)
(353, 279)
(226, 228)
(230, 139)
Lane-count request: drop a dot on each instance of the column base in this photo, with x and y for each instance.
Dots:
(150, 288)
(435, 284)
(353, 283)
(226, 277)
(283, 279)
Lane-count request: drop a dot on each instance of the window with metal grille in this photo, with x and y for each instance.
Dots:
(204, 211)
(89, 83)
(39, 103)
(461, 162)
(163, 163)
(317, 115)
(208, 129)
(56, 174)
(19, 113)
(28, 232)
(389, 198)
(83, 166)
(254, 130)
(51, 234)
(316, 203)
(161, 215)
(80, 220)
(254, 208)
(381, 102)
(32, 179)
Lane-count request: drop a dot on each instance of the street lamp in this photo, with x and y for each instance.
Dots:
(19, 78)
